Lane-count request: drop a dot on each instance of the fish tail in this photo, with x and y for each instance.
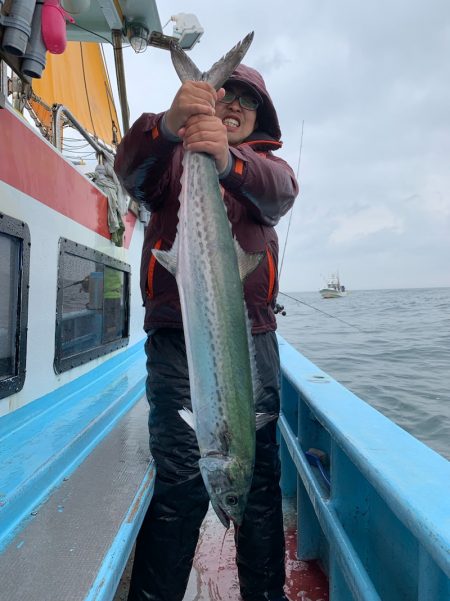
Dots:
(219, 72)
(186, 69)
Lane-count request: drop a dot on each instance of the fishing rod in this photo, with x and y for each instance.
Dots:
(280, 309)
(292, 209)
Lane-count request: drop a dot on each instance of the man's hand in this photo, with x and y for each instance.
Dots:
(207, 134)
(193, 98)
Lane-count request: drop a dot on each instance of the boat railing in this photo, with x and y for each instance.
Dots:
(59, 111)
(373, 502)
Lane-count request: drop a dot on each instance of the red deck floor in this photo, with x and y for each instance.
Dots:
(214, 575)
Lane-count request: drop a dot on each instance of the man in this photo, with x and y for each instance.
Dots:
(238, 127)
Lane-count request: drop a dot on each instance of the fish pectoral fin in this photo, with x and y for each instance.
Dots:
(188, 417)
(264, 418)
(247, 262)
(168, 258)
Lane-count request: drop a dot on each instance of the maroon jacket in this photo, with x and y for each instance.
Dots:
(258, 190)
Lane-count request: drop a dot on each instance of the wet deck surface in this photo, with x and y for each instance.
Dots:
(214, 574)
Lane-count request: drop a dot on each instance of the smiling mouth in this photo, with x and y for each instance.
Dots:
(231, 123)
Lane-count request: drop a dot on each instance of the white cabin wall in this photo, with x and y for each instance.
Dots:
(46, 227)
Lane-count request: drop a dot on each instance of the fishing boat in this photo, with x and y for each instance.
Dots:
(367, 505)
(333, 288)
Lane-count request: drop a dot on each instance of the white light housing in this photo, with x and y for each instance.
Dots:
(137, 35)
(187, 30)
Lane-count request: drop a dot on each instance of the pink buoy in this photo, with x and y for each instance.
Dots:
(54, 26)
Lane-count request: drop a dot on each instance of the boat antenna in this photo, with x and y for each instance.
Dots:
(323, 312)
(292, 209)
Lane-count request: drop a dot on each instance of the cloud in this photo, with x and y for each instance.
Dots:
(370, 82)
(366, 222)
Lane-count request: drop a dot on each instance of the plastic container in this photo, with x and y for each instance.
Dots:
(54, 26)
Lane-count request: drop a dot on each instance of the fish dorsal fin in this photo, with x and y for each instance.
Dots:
(168, 258)
(188, 417)
(247, 262)
(219, 72)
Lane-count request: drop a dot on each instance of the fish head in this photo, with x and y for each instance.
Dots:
(228, 485)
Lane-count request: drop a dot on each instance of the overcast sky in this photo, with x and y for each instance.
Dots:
(371, 82)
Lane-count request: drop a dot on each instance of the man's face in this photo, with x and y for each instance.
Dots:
(240, 122)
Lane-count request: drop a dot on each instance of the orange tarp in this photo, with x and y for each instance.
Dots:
(77, 79)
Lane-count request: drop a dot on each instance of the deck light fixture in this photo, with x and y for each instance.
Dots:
(138, 35)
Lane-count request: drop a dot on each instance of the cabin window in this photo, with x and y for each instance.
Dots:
(14, 277)
(92, 305)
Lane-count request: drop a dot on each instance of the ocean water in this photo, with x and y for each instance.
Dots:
(393, 351)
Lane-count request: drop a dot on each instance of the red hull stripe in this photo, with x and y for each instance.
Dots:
(28, 164)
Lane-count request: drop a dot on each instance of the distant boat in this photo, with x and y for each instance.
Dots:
(334, 288)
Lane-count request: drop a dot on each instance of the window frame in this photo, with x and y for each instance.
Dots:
(62, 364)
(15, 228)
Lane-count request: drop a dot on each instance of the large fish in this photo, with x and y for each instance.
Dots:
(209, 267)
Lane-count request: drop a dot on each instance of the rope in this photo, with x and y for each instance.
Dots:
(109, 97)
(86, 90)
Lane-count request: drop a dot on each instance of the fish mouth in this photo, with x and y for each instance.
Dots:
(223, 517)
(221, 514)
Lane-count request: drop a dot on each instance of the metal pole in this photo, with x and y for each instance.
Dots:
(120, 75)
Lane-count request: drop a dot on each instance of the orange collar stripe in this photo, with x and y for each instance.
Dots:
(239, 166)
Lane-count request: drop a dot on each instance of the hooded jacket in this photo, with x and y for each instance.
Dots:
(257, 190)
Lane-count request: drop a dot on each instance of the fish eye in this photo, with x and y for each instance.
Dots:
(231, 500)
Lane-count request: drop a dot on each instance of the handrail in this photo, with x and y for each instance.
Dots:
(58, 110)
(389, 493)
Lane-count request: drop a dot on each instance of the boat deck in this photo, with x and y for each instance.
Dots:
(214, 574)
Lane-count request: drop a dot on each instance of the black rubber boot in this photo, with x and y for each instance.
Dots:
(260, 555)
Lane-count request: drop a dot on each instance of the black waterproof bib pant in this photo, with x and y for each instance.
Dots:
(167, 540)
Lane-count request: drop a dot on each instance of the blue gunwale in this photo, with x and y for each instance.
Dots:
(44, 441)
(411, 479)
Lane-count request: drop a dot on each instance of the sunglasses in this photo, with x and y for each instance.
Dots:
(245, 100)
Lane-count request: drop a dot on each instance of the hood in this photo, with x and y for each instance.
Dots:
(267, 115)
